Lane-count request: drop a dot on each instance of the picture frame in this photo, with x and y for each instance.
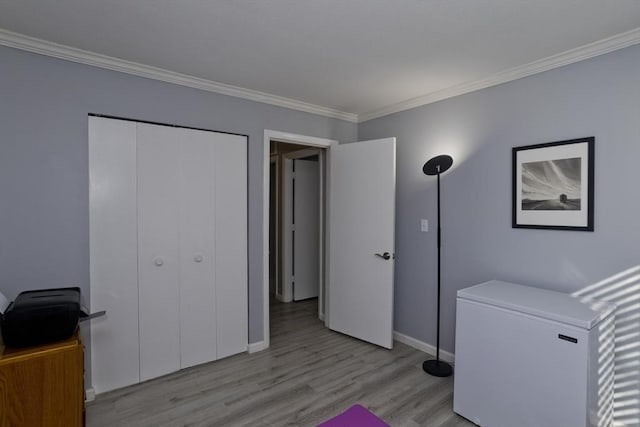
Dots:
(553, 185)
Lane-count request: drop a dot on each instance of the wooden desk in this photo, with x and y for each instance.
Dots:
(42, 386)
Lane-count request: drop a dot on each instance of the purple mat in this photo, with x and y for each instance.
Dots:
(356, 416)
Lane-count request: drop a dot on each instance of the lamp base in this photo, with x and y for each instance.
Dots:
(437, 368)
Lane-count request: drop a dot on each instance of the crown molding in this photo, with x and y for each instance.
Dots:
(581, 53)
(44, 47)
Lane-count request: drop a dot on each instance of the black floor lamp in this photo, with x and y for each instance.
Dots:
(436, 166)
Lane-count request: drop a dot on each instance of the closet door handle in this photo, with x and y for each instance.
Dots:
(158, 261)
(198, 258)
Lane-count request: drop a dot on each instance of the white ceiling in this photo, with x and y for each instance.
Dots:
(355, 56)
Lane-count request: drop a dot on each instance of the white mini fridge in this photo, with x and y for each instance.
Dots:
(532, 357)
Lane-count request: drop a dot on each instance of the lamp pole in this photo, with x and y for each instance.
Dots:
(436, 166)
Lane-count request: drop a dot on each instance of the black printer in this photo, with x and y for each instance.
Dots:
(42, 316)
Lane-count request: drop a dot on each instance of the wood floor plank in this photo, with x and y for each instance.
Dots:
(308, 375)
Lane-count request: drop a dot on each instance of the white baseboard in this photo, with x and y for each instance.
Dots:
(89, 395)
(257, 346)
(422, 346)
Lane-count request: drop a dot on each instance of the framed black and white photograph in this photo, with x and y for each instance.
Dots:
(553, 185)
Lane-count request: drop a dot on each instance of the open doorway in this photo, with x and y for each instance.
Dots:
(296, 229)
(273, 268)
(356, 282)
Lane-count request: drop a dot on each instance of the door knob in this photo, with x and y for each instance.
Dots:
(198, 258)
(158, 261)
(385, 255)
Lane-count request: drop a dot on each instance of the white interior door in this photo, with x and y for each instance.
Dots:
(158, 245)
(305, 234)
(362, 225)
(197, 248)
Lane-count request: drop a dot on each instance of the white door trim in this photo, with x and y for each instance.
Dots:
(275, 135)
(274, 160)
(287, 207)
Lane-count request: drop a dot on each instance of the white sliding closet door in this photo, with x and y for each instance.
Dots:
(231, 243)
(158, 249)
(168, 230)
(113, 253)
(198, 255)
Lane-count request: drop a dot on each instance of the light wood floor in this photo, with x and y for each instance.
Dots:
(308, 375)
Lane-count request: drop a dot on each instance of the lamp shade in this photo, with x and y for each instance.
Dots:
(437, 164)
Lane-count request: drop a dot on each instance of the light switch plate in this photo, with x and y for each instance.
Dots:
(424, 225)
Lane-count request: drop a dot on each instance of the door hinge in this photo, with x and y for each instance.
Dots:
(293, 227)
(293, 175)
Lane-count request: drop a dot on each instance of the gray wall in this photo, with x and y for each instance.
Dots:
(44, 184)
(599, 97)
(44, 229)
